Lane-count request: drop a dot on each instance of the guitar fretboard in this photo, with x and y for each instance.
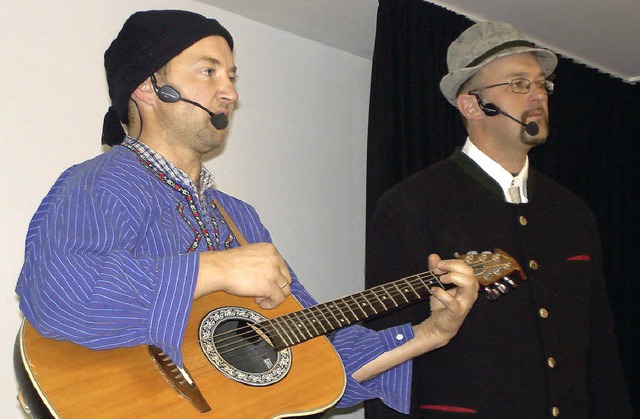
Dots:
(294, 328)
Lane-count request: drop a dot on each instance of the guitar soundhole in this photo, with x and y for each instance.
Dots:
(241, 344)
(233, 342)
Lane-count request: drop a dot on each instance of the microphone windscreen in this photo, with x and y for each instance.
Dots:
(532, 128)
(219, 121)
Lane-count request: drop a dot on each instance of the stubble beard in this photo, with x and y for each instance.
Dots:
(199, 134)
(209, 139)
(538, 139)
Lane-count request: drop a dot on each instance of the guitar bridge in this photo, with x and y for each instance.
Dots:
(179, 379)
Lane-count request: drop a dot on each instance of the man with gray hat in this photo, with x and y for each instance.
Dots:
(546, 347)
(123, 243)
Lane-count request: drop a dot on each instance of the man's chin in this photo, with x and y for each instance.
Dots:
(534, 140)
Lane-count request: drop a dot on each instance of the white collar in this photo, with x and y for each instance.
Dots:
(499, 173)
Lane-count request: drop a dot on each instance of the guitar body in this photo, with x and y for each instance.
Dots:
(76, 382)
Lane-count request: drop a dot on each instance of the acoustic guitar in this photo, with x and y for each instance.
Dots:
(240, 361)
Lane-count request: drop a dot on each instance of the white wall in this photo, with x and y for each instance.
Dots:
(296, 149)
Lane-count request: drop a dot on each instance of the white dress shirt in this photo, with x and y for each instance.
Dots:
(507, 181)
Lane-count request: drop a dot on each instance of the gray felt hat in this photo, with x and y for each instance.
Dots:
(481, 44)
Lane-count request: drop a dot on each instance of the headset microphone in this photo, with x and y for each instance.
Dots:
(168, 94)
(491, 109)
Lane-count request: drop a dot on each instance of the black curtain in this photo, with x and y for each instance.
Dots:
(595, 121)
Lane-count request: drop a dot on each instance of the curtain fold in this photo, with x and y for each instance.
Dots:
(592, 146)
(406, 105)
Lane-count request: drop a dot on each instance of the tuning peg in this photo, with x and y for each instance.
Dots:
(501, 287)
(472, 252)
(492, 294)
(509, 281)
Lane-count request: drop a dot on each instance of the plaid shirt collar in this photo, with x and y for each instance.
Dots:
(207, 180)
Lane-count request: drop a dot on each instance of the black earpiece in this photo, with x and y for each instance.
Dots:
(168, 94)
(491, 109)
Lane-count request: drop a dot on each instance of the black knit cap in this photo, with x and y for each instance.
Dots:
(147, 41)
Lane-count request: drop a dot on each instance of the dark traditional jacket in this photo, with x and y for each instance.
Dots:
(545, 349)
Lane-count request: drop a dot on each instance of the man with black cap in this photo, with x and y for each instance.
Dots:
(123, 243)
(546, 349)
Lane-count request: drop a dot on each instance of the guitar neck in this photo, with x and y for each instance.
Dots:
(300, 326)
(297, 327)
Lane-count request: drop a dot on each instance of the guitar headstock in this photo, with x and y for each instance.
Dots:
(491, 270)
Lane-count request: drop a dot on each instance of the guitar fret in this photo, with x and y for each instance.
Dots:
(402, 293)
(333, 316)
(285, 325)
(311, 320)
(282, 324)
(344, 319)
(274, 334)
(360, 306)
(426, 283)
(348, 314)
(291, 325)
(390, 296)
(326, 322)
(301, 326)
(380, 304)
(354, 317)
(421, 288)
(437, 280)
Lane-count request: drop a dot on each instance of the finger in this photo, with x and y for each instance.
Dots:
(433, 260)
(435, 304)
(270, 302)
(285, 286)
(465, 281)
(465, 290)
(286, 274)
(444, 297)
(458, 273)
(285, 289)
(281, 281)
(455, 265)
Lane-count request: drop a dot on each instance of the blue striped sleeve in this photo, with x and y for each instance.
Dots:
(92, 275)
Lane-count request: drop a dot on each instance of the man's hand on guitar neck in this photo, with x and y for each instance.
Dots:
(254, 270)
(448, 308)
(448, 311)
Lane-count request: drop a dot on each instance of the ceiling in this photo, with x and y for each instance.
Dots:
(601, 34)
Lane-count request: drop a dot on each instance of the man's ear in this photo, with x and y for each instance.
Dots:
(144, 92)
(469, 107)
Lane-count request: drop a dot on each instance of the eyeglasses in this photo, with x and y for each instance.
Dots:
(521, 86)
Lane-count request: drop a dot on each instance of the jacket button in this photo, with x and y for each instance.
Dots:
(543, 313)
(551, 361)
(523, 220)
(555, 411)
(533, 265)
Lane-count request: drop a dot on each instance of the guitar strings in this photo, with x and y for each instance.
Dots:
(324, 308)
(238, 338)
(226, 344)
